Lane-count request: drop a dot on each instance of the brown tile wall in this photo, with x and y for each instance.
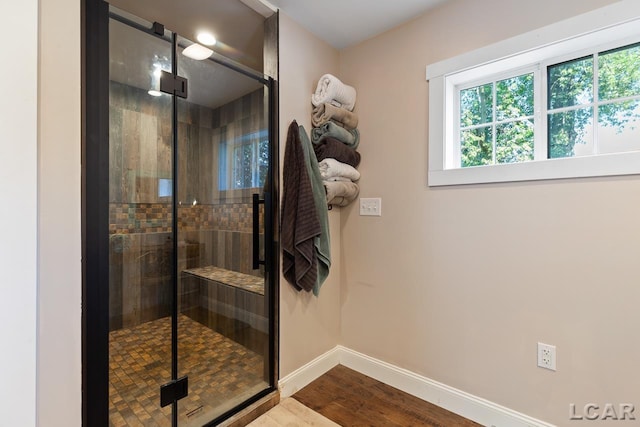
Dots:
(140, 152)
(132, 218)
(141, 252)
(217, 231)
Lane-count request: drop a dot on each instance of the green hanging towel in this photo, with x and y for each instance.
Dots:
(323, 241)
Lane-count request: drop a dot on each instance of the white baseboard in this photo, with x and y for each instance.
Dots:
(304, 375)
(459, 402)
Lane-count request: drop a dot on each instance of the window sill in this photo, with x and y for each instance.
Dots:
(575, 167)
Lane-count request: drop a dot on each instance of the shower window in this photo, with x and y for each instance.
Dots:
(240, 129)
(245, 161)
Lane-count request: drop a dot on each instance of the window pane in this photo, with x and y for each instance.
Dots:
(476, 147)
(476, 105)
(263, 161)
(242, 166)
(570, 83)
(619, 73)
(571, 133)
(619, 127)
(514, 97)
(514, 142)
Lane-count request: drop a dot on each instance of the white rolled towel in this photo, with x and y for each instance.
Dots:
(331, 168)
(331, 90)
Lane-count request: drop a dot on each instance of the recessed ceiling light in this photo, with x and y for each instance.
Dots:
(206, 38)
(197, 52)
(154, 93)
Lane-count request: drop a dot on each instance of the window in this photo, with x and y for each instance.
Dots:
(601, 89)
(165, 187)
(556, 110)
(496, 122)
(244, 161)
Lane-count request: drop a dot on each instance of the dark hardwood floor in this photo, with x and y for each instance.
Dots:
(352, 399)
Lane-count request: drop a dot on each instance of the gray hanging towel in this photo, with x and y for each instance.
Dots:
(300, 223)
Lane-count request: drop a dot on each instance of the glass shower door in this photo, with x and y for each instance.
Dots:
(140, 239)
(189, 217)
(223, 163)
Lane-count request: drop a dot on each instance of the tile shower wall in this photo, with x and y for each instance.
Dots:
(132, 218)
(217, 227)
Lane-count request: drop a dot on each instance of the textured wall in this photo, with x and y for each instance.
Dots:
(218, 229)
(140, 145)
(459, 283)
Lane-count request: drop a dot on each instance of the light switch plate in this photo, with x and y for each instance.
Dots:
(371, 206)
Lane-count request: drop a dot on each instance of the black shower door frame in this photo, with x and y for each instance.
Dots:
(95, 219)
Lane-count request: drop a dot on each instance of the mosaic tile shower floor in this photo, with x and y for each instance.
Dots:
(222, 373)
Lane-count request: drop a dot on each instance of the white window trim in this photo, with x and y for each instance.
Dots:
(620, 21)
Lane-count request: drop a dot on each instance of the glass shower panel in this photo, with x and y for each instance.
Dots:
(140, 200)
(223, 157)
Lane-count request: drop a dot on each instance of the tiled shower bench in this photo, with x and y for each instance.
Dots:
(235, 279)
(228, 302)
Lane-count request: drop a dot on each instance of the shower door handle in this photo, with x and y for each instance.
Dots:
(256, 231)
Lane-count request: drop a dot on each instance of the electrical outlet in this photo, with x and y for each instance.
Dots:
(547, 356)
(371, 206)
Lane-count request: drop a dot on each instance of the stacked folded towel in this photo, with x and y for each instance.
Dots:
(333, 170)
(335, 139)
(339, 180)
(331, 90)
(350, 138)
(331, 148)
(327, 112)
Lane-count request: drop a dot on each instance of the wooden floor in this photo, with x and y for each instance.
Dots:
(352, 399)
(290, 413)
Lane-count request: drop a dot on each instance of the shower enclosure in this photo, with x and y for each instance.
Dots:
(179, 292)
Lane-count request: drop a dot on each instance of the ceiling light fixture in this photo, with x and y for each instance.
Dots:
(206, 38)
(197, 52)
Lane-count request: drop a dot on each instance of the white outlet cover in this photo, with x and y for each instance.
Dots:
(547, 356)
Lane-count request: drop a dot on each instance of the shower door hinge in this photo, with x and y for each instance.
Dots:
(158, 29)
(174, 391)
(173, 85)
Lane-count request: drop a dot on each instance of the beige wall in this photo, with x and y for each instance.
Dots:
(18, 216)
(309, 326)
(459, 283)
(59, 283)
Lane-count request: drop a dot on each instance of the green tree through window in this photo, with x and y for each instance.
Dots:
(247, 162)
(586, 98)
(496, 122)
